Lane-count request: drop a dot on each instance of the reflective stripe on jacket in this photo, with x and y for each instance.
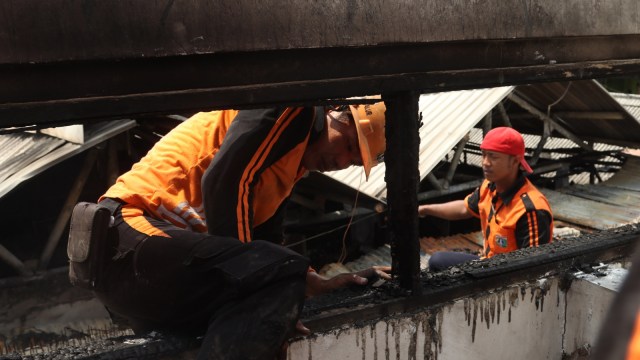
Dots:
(222, 172)
(519, 217)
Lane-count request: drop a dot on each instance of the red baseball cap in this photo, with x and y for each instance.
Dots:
(508, 141)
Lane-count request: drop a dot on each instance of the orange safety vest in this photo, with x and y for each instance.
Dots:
(166, 183)
(633, 350)
(499, 219)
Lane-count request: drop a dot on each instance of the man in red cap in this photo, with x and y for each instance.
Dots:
(513, 213)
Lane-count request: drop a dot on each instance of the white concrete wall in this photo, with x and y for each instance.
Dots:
(528, 321)
(589, 294)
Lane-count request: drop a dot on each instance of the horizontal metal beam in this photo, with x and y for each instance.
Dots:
(75, 91)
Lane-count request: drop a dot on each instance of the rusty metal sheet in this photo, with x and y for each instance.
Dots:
(605, 194)
(589, 213)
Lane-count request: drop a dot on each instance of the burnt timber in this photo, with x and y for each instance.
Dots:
(65, 61)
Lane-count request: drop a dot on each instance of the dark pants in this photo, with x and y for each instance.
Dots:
(443, 259)
(245, 298)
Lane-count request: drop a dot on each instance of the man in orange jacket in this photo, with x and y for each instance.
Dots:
(192, 217)
(513, 213)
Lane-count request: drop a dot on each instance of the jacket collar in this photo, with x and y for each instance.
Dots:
(507, 195)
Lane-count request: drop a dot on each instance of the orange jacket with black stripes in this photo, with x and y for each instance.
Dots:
(516, 218)
(223, 172)
(633, 348)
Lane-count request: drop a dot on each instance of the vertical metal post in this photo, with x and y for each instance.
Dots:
(402, 177)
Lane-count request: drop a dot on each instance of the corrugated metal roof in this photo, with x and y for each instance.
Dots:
(629, 175)
(601, 206)
(24, 155)
(447, 117)
(609, 204)
(573, 100)
(590, 213)
(631, 102)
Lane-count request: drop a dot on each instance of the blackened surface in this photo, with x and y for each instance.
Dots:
(354, 304)
(402, 177)
(64, 91)
(151, 346)
(357, 305)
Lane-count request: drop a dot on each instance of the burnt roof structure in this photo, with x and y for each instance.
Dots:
(65, 61)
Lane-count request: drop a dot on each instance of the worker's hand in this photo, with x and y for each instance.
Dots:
(301, 329)
(423, 210)
(317, 284)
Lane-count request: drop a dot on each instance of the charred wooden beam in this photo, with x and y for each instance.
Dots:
(403, 177)
(57, 94)
(70, 61)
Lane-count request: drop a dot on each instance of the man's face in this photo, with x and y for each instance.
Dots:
(337, 146)
(498, 166)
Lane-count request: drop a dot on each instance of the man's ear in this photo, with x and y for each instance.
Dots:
(516, 159)
(339, 120)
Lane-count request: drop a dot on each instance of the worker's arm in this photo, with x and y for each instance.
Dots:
(533, 229)
(453, 210)
(318, 284)
(254, 141)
